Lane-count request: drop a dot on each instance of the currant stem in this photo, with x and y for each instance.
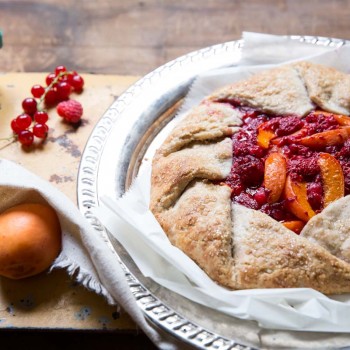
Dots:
(8, 138)
(14, 139)
(48, 88)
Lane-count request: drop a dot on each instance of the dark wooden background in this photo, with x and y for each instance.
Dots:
(134, 37)
(131, 37)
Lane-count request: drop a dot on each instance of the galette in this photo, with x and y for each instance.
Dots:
(253, 184)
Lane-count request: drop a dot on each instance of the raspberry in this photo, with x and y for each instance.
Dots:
(250, 169)
(70, 110)
(315, 195)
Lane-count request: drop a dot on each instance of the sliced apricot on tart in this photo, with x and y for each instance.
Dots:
(326, 138)
(275, 175)
(342, 119)
(265, 135)
(294, 225)
(332, 178)
(297, 201)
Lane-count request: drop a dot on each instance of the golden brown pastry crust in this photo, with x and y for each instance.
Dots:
(238, 247)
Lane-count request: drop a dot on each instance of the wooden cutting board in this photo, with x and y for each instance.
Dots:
(54, 300)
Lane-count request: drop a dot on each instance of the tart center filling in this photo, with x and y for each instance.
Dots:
(288, 167)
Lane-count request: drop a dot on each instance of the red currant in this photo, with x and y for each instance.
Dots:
(51, 97)
(23, 121)
(77, 82)
(63, 90)
(41, 117)
(40, 130)
(261, 196)
(37, 91)
(60, 69)
(32, 122)
(14, 126)
(29, 105)
(25, 137)
(50, 78)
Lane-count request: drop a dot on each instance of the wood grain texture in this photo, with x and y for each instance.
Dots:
(135, 37)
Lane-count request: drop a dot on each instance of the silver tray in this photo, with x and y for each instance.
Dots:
(111, 159)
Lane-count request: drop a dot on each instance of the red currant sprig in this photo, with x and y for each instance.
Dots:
(32, 122)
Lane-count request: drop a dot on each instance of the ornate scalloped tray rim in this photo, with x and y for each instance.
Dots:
(182, 71)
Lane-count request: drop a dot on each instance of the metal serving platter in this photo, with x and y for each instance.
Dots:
(111, 159)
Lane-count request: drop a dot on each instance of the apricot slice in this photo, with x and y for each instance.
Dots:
(332, 178)
(264, 136)
(297, 202)
(342, 119)
(322, 112)
(326, 138)
(294, 225)
(275, 175)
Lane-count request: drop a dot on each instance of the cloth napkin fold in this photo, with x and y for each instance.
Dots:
(85, 254)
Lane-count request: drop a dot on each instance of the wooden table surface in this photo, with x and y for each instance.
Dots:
(136, 36)
(117, 41)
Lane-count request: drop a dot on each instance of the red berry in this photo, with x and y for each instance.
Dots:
(51, 97)
(40, 130)
(50, 78)
(63, 90)
(23, 121)
(77, 82)
(60, 69)
(29, 105)
(261, 196)
(14, 126)
(25, 137)
(41, 117)
(70, 110)
(37, 91)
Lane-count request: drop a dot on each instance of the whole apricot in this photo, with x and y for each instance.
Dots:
(30, 240)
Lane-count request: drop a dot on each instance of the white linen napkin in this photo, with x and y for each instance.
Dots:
(85, 254)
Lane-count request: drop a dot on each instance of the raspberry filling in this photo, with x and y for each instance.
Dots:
(289, 167)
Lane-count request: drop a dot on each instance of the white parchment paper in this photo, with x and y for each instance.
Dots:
(130, 221)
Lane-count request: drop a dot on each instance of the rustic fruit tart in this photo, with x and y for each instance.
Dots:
(253, 183)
